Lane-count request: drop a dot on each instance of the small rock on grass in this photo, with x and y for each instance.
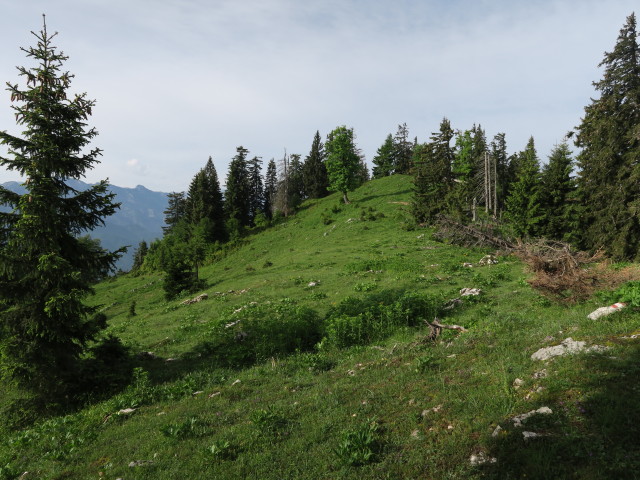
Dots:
(481, 458)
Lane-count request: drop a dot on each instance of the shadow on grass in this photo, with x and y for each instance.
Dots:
(594, 429)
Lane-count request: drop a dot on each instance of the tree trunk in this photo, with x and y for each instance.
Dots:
(345, 198)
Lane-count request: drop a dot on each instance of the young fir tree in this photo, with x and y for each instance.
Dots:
(557, 190)
(315, 171)
(44, 265)
(498, 153)
(175, 212)
(609, 162)
(270, 188)
(432, 175)
(523, 208)
(238, 193)
(139, 256)
(256, 189)
(215, 200)
(296, 181)
(402, 150)
(343, 162)
(383, 161)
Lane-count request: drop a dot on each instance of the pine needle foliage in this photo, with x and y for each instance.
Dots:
(46, 269)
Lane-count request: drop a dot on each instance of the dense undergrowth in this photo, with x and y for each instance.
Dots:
(311, 359)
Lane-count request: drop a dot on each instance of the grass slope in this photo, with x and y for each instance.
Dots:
(399, 408)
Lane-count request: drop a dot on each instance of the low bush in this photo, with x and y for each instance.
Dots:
(360, 321)
(255, 333)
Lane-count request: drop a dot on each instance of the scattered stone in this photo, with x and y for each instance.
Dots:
(454, 302)
(435, 409)
(518, 420)
(467, 264)
(604, 311)
(236, 382)
(541, 374)
(517, 383)
(126, 411)
(497, 431)
(415, 434)
(140, 463)
(351, 373)
(488, 260)
(470, 291)
(214, 394)
(481, 458)
(161, 413)
(199, 298)
(569, 346)
(313, 284)
(197, 393)
(529, 435)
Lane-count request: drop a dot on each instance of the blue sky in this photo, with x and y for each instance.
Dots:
(177, 81)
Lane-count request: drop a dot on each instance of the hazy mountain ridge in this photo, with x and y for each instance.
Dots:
(140, 217)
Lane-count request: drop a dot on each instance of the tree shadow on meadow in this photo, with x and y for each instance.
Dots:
(593, 433)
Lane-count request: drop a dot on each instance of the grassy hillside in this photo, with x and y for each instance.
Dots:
(394, 405)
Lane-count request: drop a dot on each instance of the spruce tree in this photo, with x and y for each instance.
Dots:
(402, 150)
(237, 196)
(432, 175)
(343, 162)
(139, 255)
(609, 162)
(315, 171)
(498, 153)
(557, 189)
(296, 181)
(523, 208)
(270, 188)
(44, 265)
(383, 161)
(175, 212)
(256, 188)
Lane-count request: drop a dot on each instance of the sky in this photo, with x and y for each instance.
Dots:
(177, 81)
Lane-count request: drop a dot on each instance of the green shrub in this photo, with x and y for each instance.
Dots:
(360, 321)
(628, 293)
(258, 332)
(361, 445)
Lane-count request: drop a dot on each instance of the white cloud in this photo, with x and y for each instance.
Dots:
(177, 81)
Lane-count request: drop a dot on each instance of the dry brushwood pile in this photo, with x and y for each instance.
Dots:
(559, 271)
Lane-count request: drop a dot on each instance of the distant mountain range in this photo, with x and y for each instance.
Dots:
(140, 217)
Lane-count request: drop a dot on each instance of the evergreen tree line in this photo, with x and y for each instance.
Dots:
(204, 218)
(591, 201)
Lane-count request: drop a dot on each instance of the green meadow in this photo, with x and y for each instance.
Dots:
(312, 358)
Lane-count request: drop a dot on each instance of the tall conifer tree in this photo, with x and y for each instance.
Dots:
(523, 208)
(238, 192)
(315, 171)
(609, 163)
(557, 190)
(383, 161)
(432, 175)
(44, 265)
(270, 188)
(402, 150)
